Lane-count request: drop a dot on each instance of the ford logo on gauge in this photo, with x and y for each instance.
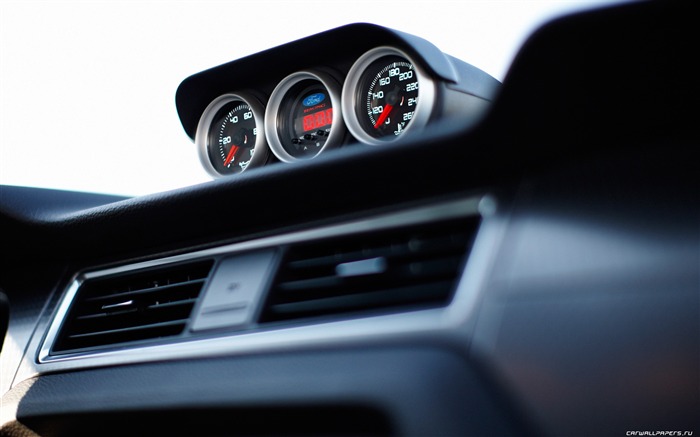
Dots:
(314, 99)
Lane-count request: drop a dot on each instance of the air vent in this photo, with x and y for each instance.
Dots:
(383, 271)
(133, 306)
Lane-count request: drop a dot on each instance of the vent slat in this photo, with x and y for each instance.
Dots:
(398, 274)
(105, 315)
(173, 304)
(126, 294)
(409, 267)
(132, 329)
(378, 299)
(132, 306)
(411, 247)
(338, 258)
(129, 301)
(305, 284)
(134, 310)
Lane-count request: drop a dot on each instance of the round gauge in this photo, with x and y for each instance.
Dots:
(302, 118)
(230, 136)
(385, 95)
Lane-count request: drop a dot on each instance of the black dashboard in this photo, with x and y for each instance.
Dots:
(524, 260)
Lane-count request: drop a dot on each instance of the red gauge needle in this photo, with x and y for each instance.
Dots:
(385, 114)
(230, 155)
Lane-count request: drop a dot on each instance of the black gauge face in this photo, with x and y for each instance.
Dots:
(387, 96)
(305, 119)
(231, 138)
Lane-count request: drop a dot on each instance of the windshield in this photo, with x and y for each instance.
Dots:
(87, 88)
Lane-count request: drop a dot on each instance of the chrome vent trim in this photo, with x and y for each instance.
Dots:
(453, 321)
(413, 267)
(131, 307)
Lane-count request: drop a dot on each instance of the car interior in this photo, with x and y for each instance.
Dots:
(502, 259)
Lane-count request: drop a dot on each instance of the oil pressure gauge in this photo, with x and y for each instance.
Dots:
(230, 136)
(385, 95)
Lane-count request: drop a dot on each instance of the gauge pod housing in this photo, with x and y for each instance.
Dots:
(338, 66)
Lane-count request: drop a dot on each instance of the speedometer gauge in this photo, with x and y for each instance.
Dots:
(302, 118)
(230, 135)
(385, 95)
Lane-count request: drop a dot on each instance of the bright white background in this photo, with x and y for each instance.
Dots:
(87, 88)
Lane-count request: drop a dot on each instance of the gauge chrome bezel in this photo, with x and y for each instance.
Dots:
(278, 96)
(201, 138)
(427, 91)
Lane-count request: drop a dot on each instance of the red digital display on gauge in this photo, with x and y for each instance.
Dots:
(317, 120)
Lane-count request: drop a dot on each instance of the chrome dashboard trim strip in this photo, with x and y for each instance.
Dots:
(450, 322)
